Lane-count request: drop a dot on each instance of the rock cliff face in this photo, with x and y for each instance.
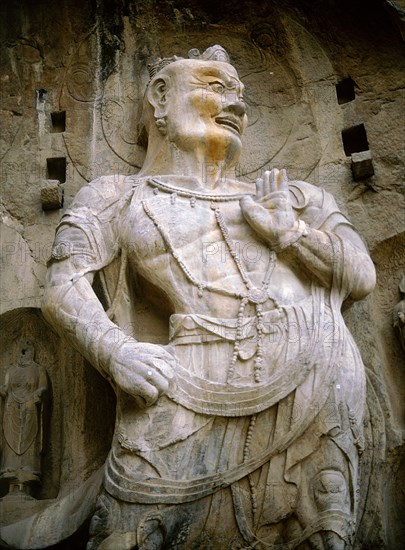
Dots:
(325, 84)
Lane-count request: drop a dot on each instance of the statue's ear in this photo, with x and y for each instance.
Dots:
(157, 95)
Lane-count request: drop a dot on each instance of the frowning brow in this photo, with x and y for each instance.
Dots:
(230, 81)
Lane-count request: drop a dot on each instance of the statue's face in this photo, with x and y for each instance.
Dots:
(206, 109)
(27, 354)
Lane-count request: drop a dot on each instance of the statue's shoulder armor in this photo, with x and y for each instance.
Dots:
(306, 194)
(87, 228)
(315, 205)
(102, 192)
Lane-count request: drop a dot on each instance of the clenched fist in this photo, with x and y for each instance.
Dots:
(143, 370)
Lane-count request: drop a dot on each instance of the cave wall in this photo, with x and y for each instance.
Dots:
(324, 81)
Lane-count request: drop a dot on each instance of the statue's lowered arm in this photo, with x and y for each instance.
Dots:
(71, 306)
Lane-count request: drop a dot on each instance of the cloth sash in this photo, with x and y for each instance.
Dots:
(314, 364)
(300, 345)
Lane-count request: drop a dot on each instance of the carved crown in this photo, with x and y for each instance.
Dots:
(214, 53)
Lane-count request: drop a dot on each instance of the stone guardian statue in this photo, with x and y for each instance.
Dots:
(244, 429)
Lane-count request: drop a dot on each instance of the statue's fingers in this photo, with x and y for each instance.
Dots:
(266, 183)
(153, 352)
(138, 378)
(147, 389)
(163, 356)
(144, 392)
(159, 382)
(275, 201)
(273, 180)
(259, 188)
(148, 370)
(164, 368)
(283, 181)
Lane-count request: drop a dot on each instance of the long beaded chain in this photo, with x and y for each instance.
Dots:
(201, 285)
(254, 295)
(246, 456)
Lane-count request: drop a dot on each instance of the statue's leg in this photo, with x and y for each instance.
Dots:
(324, 504)
(327, 540)
(118, 525)
(124, 526)
(102, 523)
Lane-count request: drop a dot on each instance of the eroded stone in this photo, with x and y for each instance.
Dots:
(362, 165)
(260, 382)
(52, 195)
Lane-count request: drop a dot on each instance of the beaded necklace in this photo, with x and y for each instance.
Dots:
(253, 295)
(191, 194)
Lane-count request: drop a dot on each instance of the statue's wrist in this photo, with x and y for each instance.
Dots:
(107, 348)
(299, 230)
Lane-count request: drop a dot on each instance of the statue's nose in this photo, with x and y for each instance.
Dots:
(237, 107)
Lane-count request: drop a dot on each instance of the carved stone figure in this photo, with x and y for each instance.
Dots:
(23, 392)
(245, 428)
(399, 314)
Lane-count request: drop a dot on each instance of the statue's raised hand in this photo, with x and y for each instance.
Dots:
(142, 370)
(270, 212)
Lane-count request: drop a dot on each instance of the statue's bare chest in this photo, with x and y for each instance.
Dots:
(183, 244)
(22, 381)
(200, 233)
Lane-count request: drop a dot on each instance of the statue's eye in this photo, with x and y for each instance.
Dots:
(217, 87)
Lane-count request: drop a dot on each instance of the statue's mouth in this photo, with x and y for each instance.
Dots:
(232, 123)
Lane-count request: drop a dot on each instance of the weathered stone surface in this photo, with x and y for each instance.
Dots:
(399, 314)
(18, 270)
(296, 399)
(362, 165)
(52, 195)
(92, 60)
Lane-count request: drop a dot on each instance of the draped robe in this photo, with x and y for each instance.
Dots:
(256, 442)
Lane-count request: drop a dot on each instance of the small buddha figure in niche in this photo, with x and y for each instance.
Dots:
(244, 429)
(23, 393)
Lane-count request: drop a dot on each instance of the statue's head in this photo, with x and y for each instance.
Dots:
(27, 353)
(197, 103)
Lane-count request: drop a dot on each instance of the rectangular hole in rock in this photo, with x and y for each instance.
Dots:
(354, 140)
(345, 91)
(58, 122)
(56, 169)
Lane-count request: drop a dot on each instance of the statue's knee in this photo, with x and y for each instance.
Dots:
(330, 490)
